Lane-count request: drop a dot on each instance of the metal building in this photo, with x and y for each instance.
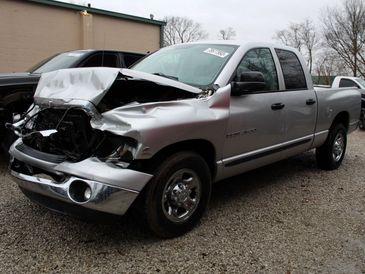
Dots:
(32, 30)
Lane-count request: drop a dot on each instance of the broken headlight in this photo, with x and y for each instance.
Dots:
(118, 150)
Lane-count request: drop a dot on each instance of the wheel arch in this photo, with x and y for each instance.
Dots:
(200, 146)
(341, 118)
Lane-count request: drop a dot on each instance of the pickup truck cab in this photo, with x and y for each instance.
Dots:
(155, 137)
(348, 82)
(354, 82)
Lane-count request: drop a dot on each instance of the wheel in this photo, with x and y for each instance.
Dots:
(362, 120)
(331, 153)
(177, 195)
(7, 141)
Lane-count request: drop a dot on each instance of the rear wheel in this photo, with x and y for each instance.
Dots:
(362, 120)
(331, 153)
(177, 195)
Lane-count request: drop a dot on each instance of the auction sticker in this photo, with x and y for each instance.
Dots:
(216, 52)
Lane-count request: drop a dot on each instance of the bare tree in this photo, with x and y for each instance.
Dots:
(327, 65)
(301, 36)
(227, 34)
(181, 30)
(344, 32)
(309, 39)
(290, 37)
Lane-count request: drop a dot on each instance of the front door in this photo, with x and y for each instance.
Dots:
(256, 124)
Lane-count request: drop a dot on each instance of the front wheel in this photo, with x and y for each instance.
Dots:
(177, 195)
(331, 153)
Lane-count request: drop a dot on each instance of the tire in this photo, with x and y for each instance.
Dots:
(362, 120)
(331, 153)
(176, 197)
(7, 141)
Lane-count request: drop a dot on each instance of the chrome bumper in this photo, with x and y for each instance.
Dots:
(110, 189)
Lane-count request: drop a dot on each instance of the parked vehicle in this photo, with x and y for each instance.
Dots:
(346, 81)
(17, 89)
(153, 138)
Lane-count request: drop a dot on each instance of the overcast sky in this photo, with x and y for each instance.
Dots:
(253, 20)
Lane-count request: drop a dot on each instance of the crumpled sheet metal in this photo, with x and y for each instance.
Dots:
(156, 125)
(89, 84)
(92, 84)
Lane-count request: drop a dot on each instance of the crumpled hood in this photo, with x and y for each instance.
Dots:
(91, 84)
(88, 84)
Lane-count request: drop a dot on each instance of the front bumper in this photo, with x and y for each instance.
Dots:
(111, 189)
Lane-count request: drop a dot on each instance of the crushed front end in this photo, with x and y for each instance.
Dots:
(60, 156)
(91, 133)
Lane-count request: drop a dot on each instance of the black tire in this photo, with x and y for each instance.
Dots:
(7, 141)
(362, 120)
(158, 196)
(331, 153)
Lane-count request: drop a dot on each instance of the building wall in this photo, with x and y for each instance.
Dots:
(113, 33)
(31, 32)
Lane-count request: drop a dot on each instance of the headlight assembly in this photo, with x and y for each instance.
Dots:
(117, 150)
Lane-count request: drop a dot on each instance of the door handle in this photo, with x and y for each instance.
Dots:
(277, 106)
(310, 101)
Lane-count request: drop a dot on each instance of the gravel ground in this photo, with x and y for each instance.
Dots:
(289, 217)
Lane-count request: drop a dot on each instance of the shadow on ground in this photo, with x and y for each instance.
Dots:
(114, 231)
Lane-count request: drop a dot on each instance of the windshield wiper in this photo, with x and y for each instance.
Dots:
(166, 76)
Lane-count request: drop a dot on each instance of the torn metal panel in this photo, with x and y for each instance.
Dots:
(78, 84)
(159, 80)
(158, 124)
(92, 84)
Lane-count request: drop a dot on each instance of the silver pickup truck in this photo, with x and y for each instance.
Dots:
(155, 137)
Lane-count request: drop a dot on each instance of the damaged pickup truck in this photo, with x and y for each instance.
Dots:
(155, 137)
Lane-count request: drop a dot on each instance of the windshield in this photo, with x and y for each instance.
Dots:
(193, 64)
(59, 61)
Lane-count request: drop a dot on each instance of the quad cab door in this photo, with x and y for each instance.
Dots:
(256, 125)
(300, 102)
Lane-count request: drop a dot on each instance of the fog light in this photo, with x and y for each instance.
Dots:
(79, 191)
(87, 193)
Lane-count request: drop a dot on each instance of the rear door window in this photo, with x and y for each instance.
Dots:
(293, 73)
(347, 83)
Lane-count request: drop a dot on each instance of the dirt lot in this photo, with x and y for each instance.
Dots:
(289, 217)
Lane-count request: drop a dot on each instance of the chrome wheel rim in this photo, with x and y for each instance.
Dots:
(338, 147)
(181, 195)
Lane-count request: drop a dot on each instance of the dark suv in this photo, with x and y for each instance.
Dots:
(17, 89)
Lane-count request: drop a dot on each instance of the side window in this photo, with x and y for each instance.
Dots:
(261, 60)
(294, 77)
(130, 59)
(101, 60)
(347, 83)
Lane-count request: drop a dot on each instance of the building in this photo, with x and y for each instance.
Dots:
(32, 30)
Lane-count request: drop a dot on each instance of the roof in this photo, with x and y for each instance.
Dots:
(98, 11)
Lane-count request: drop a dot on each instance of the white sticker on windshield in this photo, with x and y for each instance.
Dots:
(216, 52)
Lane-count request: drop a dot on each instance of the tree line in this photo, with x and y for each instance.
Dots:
(335, 46)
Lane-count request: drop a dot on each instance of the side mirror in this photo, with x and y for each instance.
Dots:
(248, 81)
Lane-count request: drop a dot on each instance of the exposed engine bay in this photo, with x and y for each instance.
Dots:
(62, 132)
(66, 130)
(125, 91)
